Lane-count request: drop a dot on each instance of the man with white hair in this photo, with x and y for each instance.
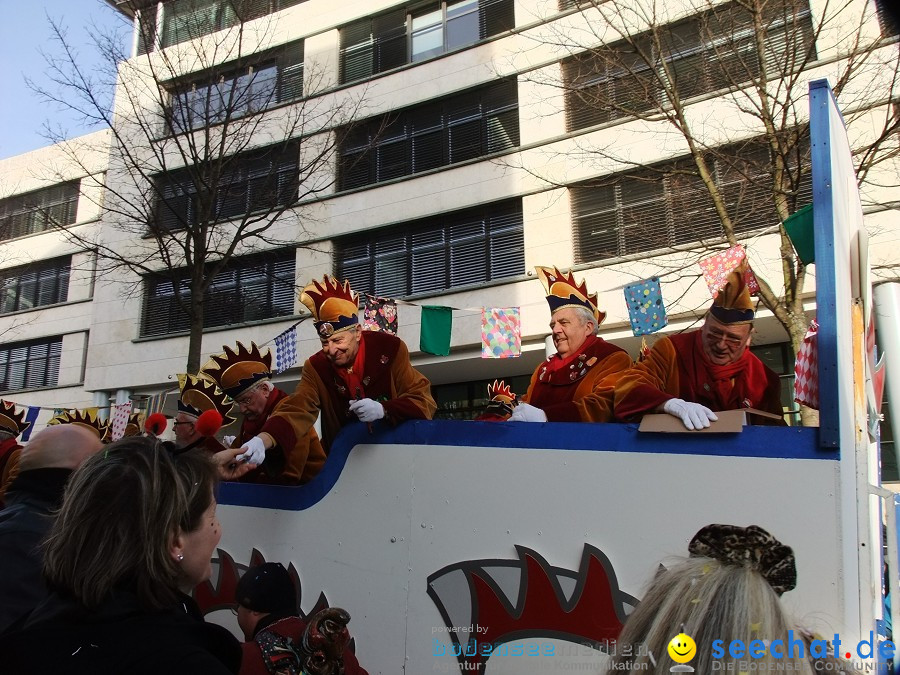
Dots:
(576, 383)
(33, 498)
(286, 453)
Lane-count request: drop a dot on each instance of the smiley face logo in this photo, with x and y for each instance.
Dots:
(682, 648)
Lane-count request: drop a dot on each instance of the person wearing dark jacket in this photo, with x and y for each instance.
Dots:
(135, 534)
(32, 500)
(267, 614)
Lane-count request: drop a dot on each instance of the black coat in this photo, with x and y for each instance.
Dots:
(63, 637)
(31, 502)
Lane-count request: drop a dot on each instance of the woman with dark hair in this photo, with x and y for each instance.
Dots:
(135, 534)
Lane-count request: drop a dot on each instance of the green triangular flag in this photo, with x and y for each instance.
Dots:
(435, 335)
(799, 226)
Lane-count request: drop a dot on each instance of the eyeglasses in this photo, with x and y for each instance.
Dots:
(175, 424)
(729, 340)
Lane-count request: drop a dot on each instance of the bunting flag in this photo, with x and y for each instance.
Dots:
(31, 416)
(380, 314)
(716, 268)
(434, 337)
(806, 369)
(501, 336)
(120, 414)
(751, 281)
(645, 306)
(286, 349)
(155, 403)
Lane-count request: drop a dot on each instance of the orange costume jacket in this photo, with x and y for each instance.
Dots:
(387, 376)
(677, 368)
(580, 387)
(297, 456)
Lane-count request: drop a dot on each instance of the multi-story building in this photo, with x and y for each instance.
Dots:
(457, 152)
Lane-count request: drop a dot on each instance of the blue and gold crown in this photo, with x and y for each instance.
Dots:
(334, 306)
(564, 291)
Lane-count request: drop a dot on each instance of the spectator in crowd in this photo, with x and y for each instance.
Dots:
(135, 534)
(358, 375)
(267, 614)
(285, 452)
(12, 425)
(33, 499)
(576, 383)
(728, 590)
(693, 375)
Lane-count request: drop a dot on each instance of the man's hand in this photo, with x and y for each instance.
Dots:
(692, 415)
(253, 451)
(527, 413)
(229, 467)
(367, 410)
(228, 440)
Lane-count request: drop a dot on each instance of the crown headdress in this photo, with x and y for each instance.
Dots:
(11, 420)
(564, 291)
(199, 395)
(237, 371)
(83, 418)
(135, 425)
(733, 304)
(334, 306)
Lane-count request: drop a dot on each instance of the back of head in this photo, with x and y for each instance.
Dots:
(121, 511)
(62, 446)
(267, 588)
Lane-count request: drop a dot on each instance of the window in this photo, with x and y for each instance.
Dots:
(888, 19)
(247, 183)
(35, 285)
(668, 205)
(387, 41)
(252, 288)
(435, 254)
(233, 91)
(27, 365)
(780, 358)
(439, 133)
(185, 20)
(706, 53)
(39, 211)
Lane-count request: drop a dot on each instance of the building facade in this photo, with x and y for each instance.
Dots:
(430, 152)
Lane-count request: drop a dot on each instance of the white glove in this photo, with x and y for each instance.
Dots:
(254, 451)
(367, 410)
(228, 440)
(527, 413)
(692, 415)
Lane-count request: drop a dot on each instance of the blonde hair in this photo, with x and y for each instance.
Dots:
(711, 601)
(121, 511)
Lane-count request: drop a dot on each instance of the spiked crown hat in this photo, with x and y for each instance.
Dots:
(11, 420)
(235, 371)
(563, 291)
(334, 306)
(199, 395)
(733, 304)
(84, 418)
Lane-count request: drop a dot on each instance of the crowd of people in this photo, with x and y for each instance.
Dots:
(102, 543)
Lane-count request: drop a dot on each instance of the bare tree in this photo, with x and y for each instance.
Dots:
(728, 81)
(219, 144)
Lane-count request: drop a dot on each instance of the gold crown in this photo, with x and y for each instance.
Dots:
(199, 395)
(334, 306)
(10, 420)
(564, 291)
(236, 371)
(83, 418)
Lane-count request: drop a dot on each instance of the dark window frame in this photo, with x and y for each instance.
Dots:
(432, 255)
(383, 42)
(39, 210)
(30, 364)
(252, 288)
(226, 92)
(667, 205)
(597, 82)
(466, 126)
(38, 284)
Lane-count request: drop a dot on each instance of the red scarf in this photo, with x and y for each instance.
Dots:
(556, 362)
(353, 376)
(729, 388)
(250, 428)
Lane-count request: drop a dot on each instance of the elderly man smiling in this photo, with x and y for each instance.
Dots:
(576, 384)
(692, 375)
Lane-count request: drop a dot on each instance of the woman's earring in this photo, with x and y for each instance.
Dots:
(180, 557)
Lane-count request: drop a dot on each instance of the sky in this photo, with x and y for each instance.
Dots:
(24, 31)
